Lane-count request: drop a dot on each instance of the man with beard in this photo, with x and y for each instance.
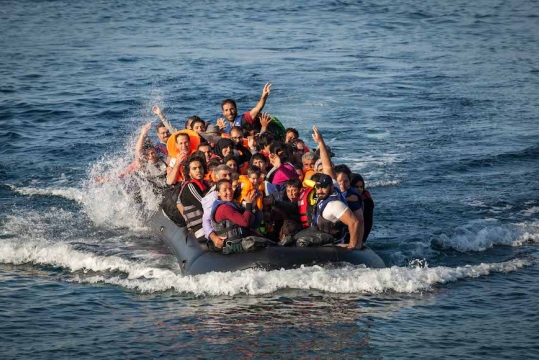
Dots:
(230, 112)
(189, 200)
(331, 213)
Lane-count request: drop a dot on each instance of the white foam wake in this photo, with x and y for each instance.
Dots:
(62, 255)
(484, 234)
(143, 276)
(383, 183)
(68, 193)
(349, 279)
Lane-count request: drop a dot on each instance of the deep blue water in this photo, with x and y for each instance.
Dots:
(435, 103)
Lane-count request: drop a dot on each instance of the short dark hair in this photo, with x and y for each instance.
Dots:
(195, 120)
(292, 130)
(159, 126)
(190, 120)
(182, 134)
(259, 156)
(231, 157)
(296, 182)
(290, 228)
(228, 101)
(342, 168)
(203, 144)
(281, 150)
(264, 140)
(213, 163)
(253, 169)
(219, 183)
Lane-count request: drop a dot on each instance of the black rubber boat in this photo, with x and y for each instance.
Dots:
(195, 258)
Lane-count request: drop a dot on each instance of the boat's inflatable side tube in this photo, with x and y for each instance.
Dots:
(195, 258)
(180, 241)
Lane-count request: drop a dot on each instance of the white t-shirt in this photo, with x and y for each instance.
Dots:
(334, 210)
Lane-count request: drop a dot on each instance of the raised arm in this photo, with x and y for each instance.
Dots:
(260, 105)
(157, 111)
(324, 154)
(140, 142)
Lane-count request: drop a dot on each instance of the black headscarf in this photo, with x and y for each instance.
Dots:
(221, 144)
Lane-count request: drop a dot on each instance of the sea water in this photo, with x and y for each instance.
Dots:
(434, 103)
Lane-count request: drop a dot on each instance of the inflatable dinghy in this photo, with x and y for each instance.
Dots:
(195, 258)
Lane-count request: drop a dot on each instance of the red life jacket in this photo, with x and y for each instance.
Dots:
(304, 207)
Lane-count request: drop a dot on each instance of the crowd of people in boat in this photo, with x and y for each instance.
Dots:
(248, 180)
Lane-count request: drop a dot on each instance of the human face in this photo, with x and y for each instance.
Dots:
(293, 193)
(290, 137)
(229, 111)
(261, 164)
(253, 178)
(226, 150)
(236, 136)
(151, 155)
(196, 170)
(319, 168)
(182, 143)
(163, 134)
(206, 149)
(308, 163)
(323, 192)
(232, 165)
(234, 185)
(360, 186)
(223, 174)
(344, 182)
(199, 127)
(225, 192)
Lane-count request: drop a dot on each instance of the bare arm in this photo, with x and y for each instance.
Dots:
(157, 111)
(324, 154)
(172, 173)
(140, 141)
(260, 105)
(355, 226)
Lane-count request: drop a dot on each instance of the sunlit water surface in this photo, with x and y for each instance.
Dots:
(435, 103)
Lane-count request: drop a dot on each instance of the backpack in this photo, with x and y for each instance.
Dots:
(169, 204)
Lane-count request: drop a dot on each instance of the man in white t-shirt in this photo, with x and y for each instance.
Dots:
(331, 214)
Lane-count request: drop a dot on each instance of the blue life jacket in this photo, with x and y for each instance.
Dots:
(236, 122)
(318, 221)
(353, 205)
(231, 230)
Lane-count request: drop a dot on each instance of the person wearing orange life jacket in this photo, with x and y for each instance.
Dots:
(249, 183)
(191, 194)
(180, 145)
